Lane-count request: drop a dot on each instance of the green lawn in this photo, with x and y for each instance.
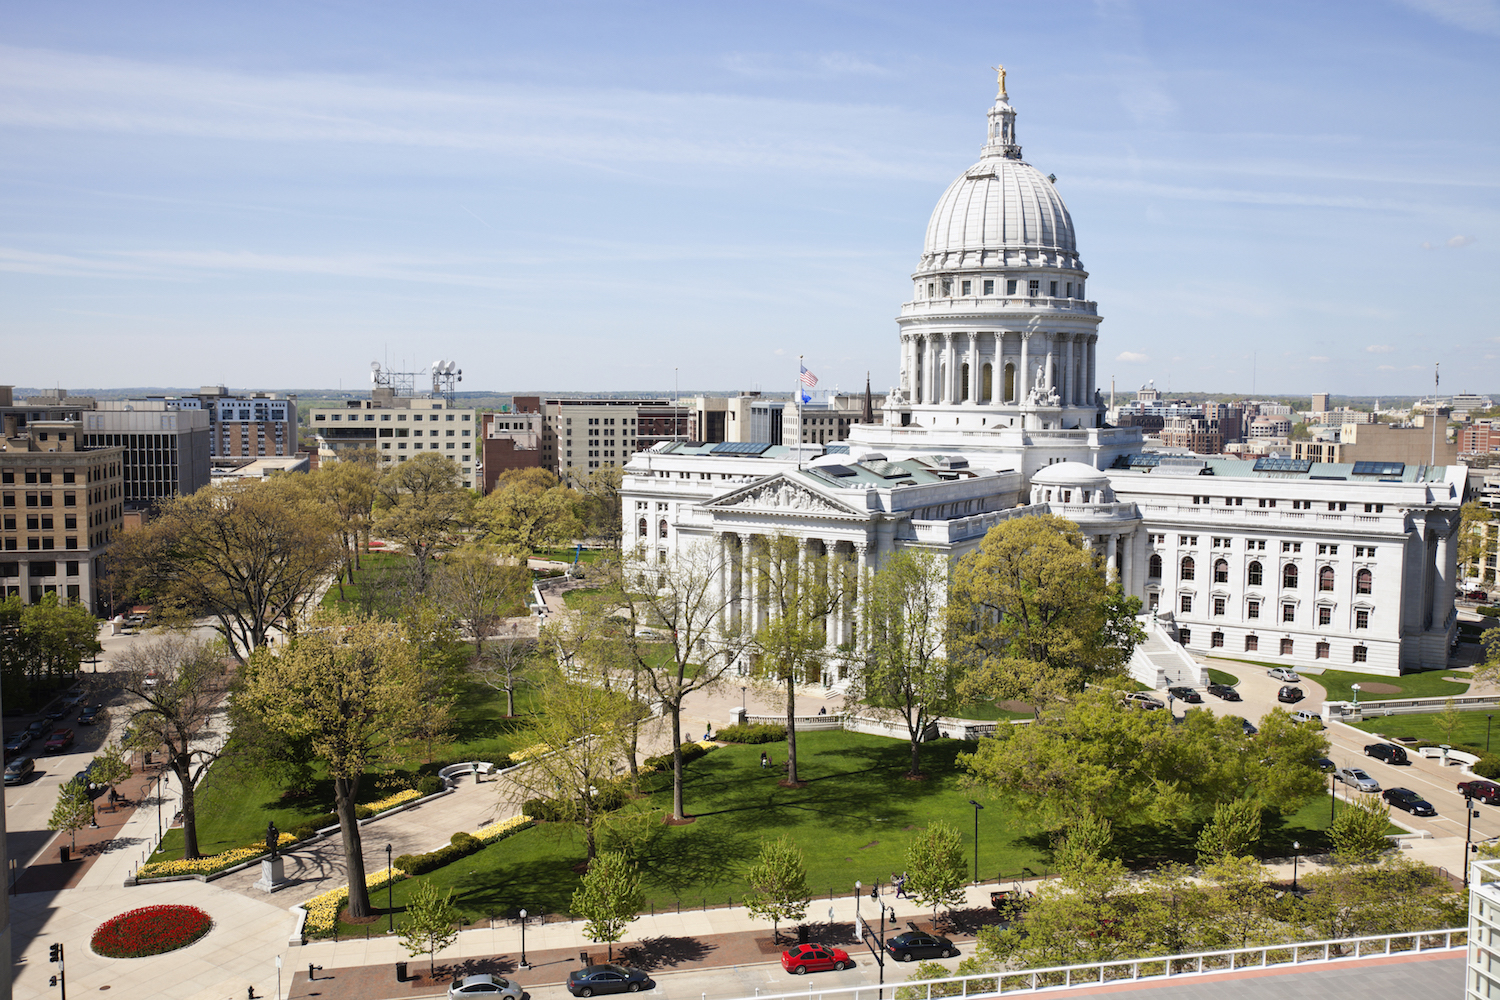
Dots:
(566, 555)
(572, 597)
(234, 804)
(1222, 677)
(375, 564)
(986, 711)
(854, 821)
(1424, 684)
(1472, 733)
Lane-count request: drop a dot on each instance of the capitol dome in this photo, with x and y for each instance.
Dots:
(1074, 474)
(1002, 211)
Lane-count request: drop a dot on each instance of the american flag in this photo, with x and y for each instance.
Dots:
(808, 378)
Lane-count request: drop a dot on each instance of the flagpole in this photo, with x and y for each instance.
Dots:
(797, 399)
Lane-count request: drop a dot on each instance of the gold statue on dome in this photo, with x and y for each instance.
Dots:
(1000, 77)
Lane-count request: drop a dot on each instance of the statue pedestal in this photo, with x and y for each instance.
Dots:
(272, 874)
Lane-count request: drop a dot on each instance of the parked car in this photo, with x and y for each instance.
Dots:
(1405, 798)
(59, 741)
(1323, 764)
(482, 984)
(1477, 595)
(38, 727)
(591, 979)
(1388, 752)
(1185, 693)
(19, 770)
(1356, 778)
(18, 741)
(90, 714)
(1484, 791)
(1289, 695)
(804, 958)
(59, 711)
(1286, 674)
(1312, 719)
(1144, 699)
(1249, 727)
(915, 944)
(1224, 691)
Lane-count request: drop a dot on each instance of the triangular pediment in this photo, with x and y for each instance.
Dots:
(783, 495)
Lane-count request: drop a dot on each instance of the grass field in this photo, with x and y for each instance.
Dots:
(1473, 732)
(566, 555)
(234, 804)
(854, 821)
(371, 564)
(1222, 677)
(1426, 684)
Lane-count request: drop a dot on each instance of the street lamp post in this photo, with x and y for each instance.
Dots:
(1296, 855)
(1333, 795)
(1355, 689)
(390, 892)
(859, 887)
(523, 940)
(743, 707)
(977, 807)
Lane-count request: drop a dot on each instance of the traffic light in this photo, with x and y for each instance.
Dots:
(54, 981)
(56, 954)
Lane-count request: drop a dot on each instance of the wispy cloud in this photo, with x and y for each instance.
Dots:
(1453, 242)
(1319, 359)
(1479, 16)
(800, 65)
(1131, 357)
(1380, 348)
(69, 91)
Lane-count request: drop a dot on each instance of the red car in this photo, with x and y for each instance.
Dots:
(1484, 791)
(59, 741)
(805, 958)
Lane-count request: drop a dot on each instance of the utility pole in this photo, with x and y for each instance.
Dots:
(61, 979)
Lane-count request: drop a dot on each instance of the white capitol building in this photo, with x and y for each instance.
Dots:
(997, 415)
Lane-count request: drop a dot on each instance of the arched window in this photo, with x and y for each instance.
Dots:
(644, 531)
(1154, 567)
(1221, 571)
(1325, 578)
(1289, 576)
(661, 528)
(1187, 568)
(1364, 580)
(987, 383)
(1010, 382)
(963, 392)
(1253, 574)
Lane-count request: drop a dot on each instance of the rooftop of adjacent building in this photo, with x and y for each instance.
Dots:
(1270, 467)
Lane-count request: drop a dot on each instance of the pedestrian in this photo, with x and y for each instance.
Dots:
(764, 760)
(823, 710)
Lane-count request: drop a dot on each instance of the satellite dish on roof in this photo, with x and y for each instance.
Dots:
(374, 366)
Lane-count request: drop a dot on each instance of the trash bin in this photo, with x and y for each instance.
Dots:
(400, 972)
(802, 934)
(63, 853)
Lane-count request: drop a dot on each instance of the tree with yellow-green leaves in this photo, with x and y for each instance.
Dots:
(1032, 614)
(352, 688)
(422, 504)
(529, 509)
(248, 556)
(347, 488)
(1475, 541)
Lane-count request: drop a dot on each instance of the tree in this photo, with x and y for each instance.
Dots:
(609, 898)
(799, 591)
(1032, 615)
(530, 509)
(347, 488)
(1473, 532)
(1449, 722)
(180, 683)
(1359, 832)
(74, 809)
(248, 555)
(585, 730)
(1396, 896)
(421, 504)
(430, 922)
(599, 505)
(696, 643)
(778, 883)
(935, 868)
(1233, 831)
(352, 688)
(110, 767)
(905, 672)
(41, 644)
(480, 592)
(504, 667)
(1087, 838)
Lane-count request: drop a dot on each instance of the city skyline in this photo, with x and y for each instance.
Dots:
(592, 196)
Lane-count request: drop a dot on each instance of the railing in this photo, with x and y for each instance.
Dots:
(1150, 969)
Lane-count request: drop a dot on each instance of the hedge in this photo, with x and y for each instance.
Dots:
(663, 762)
(753, 732)
(461, 846)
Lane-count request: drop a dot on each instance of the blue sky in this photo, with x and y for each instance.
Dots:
(576, 196)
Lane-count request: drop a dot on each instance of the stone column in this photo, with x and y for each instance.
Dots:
(1049, 373)
(1023, 377)
(1065, 372)
(975, 363)
(1442, 584)
(950, 371)
(861, 571)
(1093, 385)
(1127, 572)
(1114, 555)
(747, 585)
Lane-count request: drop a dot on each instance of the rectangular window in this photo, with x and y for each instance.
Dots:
(1187, 603)
(1033, 288)
(1184, 636)
(989, 286)
(1010, 286)
(1361, 618)
(1325, 616)
(1289, 612)
(1052, 289)
(1216, 640)
(1219, 605)
(1359, 654)
(964, 289)
(1252, 643)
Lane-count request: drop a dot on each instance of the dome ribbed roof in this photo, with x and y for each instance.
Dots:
(1003, 205)
(1070, 474)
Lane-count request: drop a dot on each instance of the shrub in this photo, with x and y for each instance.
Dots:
(150, 930)
(430, 784)
(461, 845)
(752, 732)
(323, 909)
(663, 762)
(1488, 766)
(1490, 612)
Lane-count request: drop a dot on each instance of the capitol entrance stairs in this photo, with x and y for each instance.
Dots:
(1161, 661)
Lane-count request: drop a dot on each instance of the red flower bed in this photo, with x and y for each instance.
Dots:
(150, 930)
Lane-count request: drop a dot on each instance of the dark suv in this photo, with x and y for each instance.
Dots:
(1387, 752)
(1289, 695)
(1185, 693)
(1224, 691)
(1484, 791)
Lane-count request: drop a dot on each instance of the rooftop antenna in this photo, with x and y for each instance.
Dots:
(1432, 460)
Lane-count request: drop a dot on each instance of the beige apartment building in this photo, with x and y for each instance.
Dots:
(61, 506)
(1379, 443)
(398, 427)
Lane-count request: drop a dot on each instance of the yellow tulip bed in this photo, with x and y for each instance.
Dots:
(207, 865)
(495, 831)
(323, 909)
(392, 801)
(526, 753)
